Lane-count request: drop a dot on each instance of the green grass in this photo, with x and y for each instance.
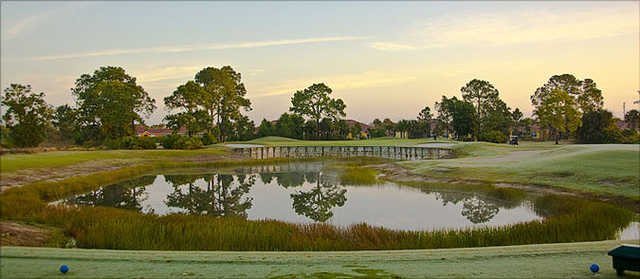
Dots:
(386, 141)
(14, 162)
(601, 169)
(566, 260)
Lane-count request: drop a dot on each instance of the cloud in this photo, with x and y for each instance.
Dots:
(198, 47)
(516, 28)
(169, 73)
(366, 79)
(23, 24)
(390, 46)
(26, 23)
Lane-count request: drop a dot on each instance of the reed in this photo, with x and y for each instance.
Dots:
(110, 228)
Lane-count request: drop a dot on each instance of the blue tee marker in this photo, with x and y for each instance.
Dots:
(594, 268)
(64, 268)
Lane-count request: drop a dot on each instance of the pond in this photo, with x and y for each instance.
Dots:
(315, 192)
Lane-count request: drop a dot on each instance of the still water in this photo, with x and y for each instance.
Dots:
(310, 192)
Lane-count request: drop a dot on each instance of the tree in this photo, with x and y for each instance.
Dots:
(497, 121)
(65, 120)
(632, 118)
(425, 114)
(598, 127)
(27, 115)
(516, 117)
(315, 103)
(481, 93)
(187, 97)
(193, 121)
(457, 115)
(109, 103)
(265, 129)
(424, 119)
(557, 112)
(290, 125)
(224, 96)
(244, 129)
(587, 97)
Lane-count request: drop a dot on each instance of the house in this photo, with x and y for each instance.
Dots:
(143, 131)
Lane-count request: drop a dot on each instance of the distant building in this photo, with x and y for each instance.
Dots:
(143, 131)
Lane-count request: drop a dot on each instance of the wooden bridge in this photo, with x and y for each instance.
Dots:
(387, 152)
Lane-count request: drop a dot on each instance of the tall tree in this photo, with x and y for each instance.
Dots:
(187, 97)
(598, 127)
(224, 97)
(456, 115)
(557, 112)
(587, 97)
(481, 94)
(315, 103)
(516, 117)
(109, 102)
(27, 115)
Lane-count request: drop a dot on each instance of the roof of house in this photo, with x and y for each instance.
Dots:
(157, 132)
(351, 123)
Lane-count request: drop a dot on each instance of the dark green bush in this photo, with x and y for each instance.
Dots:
(493, 136)
(209, 138)
(175, 141)
(133, 142)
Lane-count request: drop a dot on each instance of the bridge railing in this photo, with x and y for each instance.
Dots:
(388, 152)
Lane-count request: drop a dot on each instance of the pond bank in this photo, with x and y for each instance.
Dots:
(396, 173)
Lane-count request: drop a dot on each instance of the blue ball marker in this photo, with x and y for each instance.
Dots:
(594, 268)
(64, 268)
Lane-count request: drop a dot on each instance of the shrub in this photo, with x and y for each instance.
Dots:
(133, 142)
(209, 138)
(630, 136)
(175, 141)
(493, 136)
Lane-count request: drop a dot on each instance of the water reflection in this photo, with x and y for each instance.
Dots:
(126, 195)
(304, 194)
(223, 195)
(318, 202)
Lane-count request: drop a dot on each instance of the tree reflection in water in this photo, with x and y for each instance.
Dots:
(313, 194)
(482, 204)
(223, 195)
(318, 202)
(127, 195)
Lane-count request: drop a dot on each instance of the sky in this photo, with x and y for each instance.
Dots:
(383, 59)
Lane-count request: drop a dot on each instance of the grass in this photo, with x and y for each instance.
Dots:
(566, 260)
(602, 169)
(14, 162)
(386, 141)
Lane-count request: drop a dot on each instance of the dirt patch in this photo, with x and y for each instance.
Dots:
(395, 172)
(23, 177)
(15, 234)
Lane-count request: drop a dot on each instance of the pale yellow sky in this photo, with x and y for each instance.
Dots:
(383, 59)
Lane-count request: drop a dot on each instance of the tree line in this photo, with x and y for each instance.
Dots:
(109, 104)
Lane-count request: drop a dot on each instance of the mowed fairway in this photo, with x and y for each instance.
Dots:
(610, 169)
(543, 261)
